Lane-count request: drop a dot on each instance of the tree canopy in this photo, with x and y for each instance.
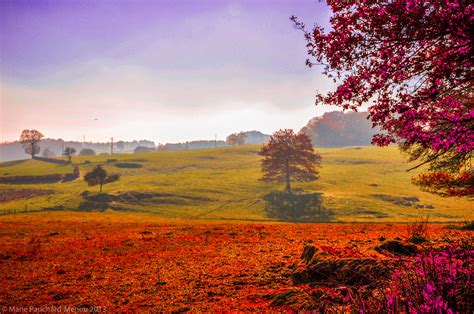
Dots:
(69, 152)
(30, 140)
(411, 61)
(98, 176)
(289, 157)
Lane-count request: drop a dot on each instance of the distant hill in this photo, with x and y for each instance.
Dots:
(333, 129)
(252, 137)
(192, 145)
(337, 129)
(15, 150)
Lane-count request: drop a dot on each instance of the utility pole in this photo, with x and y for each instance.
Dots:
(215, 140)
(111, 146)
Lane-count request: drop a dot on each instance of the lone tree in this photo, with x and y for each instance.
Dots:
(69, 152)
(289, 157)
(30, 140)
(98, 176)
(413, 61)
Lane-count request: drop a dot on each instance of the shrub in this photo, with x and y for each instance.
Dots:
(418, 230)
(72, 176)
(434, 282)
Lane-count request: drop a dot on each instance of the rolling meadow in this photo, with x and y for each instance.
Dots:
(359, 184)
(190, 231)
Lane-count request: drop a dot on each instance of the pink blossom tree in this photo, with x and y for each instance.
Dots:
(411, 61)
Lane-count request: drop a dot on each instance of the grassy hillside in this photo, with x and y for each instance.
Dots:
(358, 184)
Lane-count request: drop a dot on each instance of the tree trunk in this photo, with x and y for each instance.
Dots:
(32, 150)
(288, 186)
(100, 189)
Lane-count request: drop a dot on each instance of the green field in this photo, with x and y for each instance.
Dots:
(358, 184)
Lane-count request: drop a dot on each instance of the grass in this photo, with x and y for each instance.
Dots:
(358, 184)
(31, 168)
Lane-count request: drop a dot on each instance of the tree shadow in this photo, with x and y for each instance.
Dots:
(94, 202)
(300, 207)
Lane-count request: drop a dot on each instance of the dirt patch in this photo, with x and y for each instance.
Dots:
(15, 194)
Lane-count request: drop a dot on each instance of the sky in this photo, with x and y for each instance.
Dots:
(168, 71)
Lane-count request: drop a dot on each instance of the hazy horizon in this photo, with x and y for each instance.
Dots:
(160, 70)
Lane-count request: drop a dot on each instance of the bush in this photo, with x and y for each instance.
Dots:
(435, 282)
(432, 282)
(72, 176)
(87, 152)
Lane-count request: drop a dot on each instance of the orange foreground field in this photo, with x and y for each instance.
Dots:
(131, 262)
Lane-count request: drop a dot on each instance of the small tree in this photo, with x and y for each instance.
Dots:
(98, 176)
(236, 138)
(30, 140)
(289, 157)
(69, 152)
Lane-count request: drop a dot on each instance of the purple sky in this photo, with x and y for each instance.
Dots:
(162, 70)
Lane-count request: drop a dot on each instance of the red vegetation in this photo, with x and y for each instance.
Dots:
(412, 62)
(289, 157)
(171, 265)
(446, 184)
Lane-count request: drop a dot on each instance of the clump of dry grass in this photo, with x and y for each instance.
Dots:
(418, 230)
